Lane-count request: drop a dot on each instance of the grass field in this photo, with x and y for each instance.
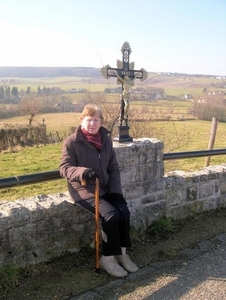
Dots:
(46, 158)
(62, 121)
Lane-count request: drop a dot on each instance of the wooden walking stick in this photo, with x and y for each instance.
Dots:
(97, 233)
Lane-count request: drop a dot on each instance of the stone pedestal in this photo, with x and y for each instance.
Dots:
(123, 135)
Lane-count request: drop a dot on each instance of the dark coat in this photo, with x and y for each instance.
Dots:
(78, 154)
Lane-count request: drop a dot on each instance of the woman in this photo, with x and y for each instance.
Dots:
(87, 154)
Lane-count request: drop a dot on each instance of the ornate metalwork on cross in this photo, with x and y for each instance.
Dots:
(125, 75)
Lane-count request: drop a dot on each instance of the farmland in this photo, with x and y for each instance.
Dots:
(182, 132)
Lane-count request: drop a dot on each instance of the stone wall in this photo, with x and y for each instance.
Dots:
(37, 229)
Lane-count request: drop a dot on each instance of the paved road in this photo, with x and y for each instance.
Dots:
(199, 274)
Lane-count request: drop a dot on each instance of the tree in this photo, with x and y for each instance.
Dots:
(44, 90)
(7, 92)
(31, 107)
(2, 92)
(15, 92)
(39, 91)
(206, 111)
(28, 91)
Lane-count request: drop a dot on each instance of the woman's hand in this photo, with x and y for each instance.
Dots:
(89, 174)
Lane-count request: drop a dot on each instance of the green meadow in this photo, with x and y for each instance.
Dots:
(46, 158)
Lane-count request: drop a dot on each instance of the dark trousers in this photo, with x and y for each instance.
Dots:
(115, 222)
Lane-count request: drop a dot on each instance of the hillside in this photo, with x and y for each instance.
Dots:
(33, 72)
(37, 72)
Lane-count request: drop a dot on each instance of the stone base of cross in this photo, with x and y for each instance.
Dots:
(123, 134)
(125, 75)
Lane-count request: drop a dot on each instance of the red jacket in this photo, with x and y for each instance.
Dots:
(78, 154)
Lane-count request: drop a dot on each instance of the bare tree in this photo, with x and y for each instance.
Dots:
(30, 106)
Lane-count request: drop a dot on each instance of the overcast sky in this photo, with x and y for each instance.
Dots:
(185, 36)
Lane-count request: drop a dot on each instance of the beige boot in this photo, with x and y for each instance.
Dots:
(111, 266)
(127, 263)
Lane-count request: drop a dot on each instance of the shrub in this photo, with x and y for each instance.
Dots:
(8, 277)
(12, 136)
(161, 227)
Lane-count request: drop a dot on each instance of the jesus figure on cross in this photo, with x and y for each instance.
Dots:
(125, 95)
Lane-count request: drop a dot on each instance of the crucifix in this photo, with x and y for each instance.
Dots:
(125, 75)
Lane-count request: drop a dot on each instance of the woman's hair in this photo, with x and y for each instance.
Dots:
(91, 110)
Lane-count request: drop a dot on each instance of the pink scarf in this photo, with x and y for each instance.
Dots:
(93, 138)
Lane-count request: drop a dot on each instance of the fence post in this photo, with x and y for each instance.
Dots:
(213, 133)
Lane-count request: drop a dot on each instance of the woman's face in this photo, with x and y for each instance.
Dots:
(91, 124)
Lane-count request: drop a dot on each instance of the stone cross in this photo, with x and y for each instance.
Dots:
(125, 75)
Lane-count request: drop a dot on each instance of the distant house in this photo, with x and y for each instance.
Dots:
(202, 100)
(158, 96)
(187, 96)
(70, 107)
(66, 107)
(216, 93)
(73, 91)
(113, 90)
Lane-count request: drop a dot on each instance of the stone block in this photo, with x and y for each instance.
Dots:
(175, 197)
(192, 193)
(206, 189)
(209, 204)
(178, 212)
